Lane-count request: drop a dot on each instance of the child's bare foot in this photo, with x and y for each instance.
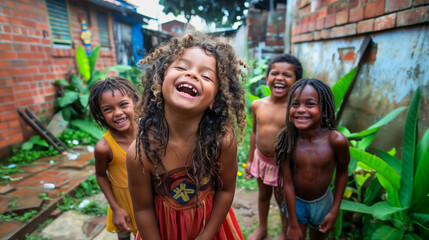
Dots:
(258, 234)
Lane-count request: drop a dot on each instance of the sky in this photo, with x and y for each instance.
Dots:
(152, 9)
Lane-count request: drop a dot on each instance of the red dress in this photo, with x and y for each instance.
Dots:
(176, 211)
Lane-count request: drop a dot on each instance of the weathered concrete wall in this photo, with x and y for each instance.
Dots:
(397, 63)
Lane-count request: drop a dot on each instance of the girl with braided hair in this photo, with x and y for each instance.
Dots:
(111, 103)
(308, 151)
(182, 167)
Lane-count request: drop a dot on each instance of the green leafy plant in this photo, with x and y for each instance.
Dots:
(404, 210)
(45, 196)
(93, 209)
(11, 216)
(73, 102)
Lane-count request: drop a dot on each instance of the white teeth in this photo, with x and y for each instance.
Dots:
(279, 85)
(120, 120)
(188, 86)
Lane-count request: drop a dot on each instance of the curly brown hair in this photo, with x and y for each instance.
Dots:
(226, 115)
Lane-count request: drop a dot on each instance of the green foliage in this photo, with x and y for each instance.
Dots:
(72, 137)
(33, 142)
(11, 216)
(30, 237)
(93, 209)
(67, 203)
(405, 211)
(45, 196)
(211, 11)
(88, 188)
(73, 103)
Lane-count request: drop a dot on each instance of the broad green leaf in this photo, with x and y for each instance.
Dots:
(423, 144)
(339, 89)
(392, 196)
(376, 163)
(386, 232)
(68, 98)
(266, 90)
(83, 63)
(391, 160)
(420, 200)
(338, 226)
(372, 191)
(66, 112)
(411, 236)
(253, 97)
(27, 146)
(87, 126)
(77, 82)
(362, 134)
(381, 210)
(408, 151)
(365, 142)
(255, 79)
(61, 82)
(84, 100)
(421, 218)
(93, 58)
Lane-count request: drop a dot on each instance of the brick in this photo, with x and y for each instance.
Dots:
(8, 116)
(13, 123)
(5, 72)
(6, 37)
(311, 26)
(4, 64)
(322, 13)
(317, 35)
(342, 31)
(420, 2)
(365, 26)
(5, 47)
(326, 33)
(356, 14)
(330, 21)
(320, 23)
(347, 54)
(413, 16)
(385, 22)
(396, 5)
(342, 17)
(374, 9)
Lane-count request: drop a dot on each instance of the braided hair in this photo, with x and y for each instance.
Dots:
(226, 115)
(286, 139)
(123, 85)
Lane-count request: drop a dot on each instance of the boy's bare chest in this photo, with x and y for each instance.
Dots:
(268, 114)
(314, 154)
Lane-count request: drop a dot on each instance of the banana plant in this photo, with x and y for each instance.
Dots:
(73, 102)
(404, 214)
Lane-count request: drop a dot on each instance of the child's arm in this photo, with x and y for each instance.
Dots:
(293, 231)
(140, 186)
(223, 197)
(342, 157)
(252, 146)
(103, 156)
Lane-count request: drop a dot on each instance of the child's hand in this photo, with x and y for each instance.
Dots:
(293, 233)
(121, 219)
(327, 223)
(247, 173)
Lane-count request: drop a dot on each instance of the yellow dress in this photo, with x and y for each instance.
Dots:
(117, 172)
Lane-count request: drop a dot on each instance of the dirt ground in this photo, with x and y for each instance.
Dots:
(245, 206)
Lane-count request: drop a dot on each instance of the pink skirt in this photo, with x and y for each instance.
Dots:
(263, 167)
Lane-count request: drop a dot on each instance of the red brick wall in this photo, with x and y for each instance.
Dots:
(321, 19)
(29, 63)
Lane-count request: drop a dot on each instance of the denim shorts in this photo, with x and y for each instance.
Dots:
(313, 212)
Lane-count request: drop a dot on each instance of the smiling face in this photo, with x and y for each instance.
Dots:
(190, 82)
(280, 78)
(117, 109)
(305, 112)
